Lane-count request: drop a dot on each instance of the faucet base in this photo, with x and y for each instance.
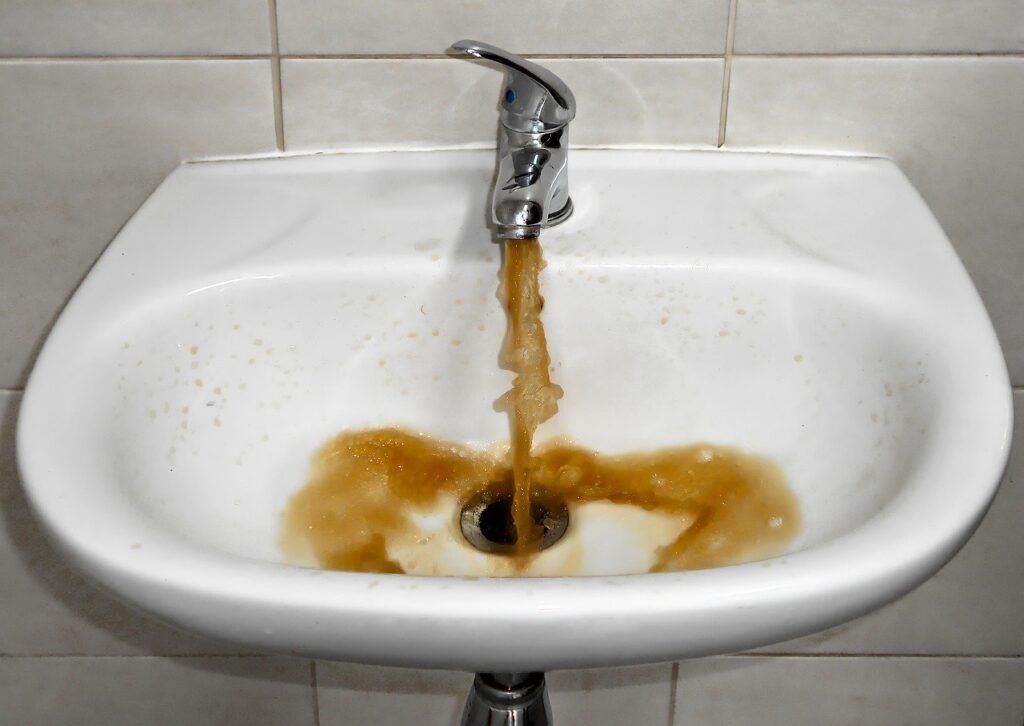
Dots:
(530, 231)
(561, 215)
(508, 698)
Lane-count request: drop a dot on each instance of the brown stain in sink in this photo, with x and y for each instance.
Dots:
(365, 486)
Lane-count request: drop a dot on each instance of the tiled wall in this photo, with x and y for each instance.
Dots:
(99, 100)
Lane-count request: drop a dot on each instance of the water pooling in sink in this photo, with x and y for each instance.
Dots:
(391, 501)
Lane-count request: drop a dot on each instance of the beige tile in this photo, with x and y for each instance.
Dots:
(334, 103)
(611, 696)
(353, 694)
(531, 26)
(971, 607)
(656, 101)
(864, 691)
(156, 691)
(953, 125)
(82, 144)
(134, 27)
(47, 608)
(878, 26)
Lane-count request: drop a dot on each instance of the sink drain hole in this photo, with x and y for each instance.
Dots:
(488, 525)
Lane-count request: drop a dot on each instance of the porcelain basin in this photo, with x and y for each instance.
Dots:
(803, 308)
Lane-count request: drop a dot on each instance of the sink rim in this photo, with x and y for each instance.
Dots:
(779, 586)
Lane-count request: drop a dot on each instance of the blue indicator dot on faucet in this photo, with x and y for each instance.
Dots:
(510, 96)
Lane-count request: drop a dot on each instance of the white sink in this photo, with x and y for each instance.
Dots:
(808, 309)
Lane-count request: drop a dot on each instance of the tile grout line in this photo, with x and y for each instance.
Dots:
(673, 694)
(730, 35)
(534, 56)
(895, 55)
(892, 55)
(316, 692)
(13, 59)
(888, 656)
(136, 656)
(793, 655)
(347, 56)
(275, 76)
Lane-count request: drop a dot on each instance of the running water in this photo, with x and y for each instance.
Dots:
(533, 398)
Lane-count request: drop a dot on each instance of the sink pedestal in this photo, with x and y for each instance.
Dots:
(508, 698)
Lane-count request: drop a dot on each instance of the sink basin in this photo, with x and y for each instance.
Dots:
(803, 308)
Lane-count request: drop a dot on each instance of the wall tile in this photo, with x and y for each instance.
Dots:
(353, 694)
(533, 26)
(953, 125)
(971, 607)
(611, 696)
(49, 609)
(82, 144)
(878, 26)
(741, 690)
(134, 27)
(332, 103)
(156, 691)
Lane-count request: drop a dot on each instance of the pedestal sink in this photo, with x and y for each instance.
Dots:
(805, 308)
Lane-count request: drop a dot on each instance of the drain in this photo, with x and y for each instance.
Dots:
(487, 522)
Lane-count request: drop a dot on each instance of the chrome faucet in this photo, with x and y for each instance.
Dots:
(532, 189)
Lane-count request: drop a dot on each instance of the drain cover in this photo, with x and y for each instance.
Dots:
(487, 524)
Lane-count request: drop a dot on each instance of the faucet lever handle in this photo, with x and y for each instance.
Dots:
(535, 99)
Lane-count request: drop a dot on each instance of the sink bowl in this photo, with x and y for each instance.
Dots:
(804, 308)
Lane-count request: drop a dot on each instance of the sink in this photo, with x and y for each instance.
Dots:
(803, 308)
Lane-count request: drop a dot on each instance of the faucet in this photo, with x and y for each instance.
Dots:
(532, 187)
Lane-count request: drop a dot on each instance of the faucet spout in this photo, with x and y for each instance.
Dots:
(532, 187)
